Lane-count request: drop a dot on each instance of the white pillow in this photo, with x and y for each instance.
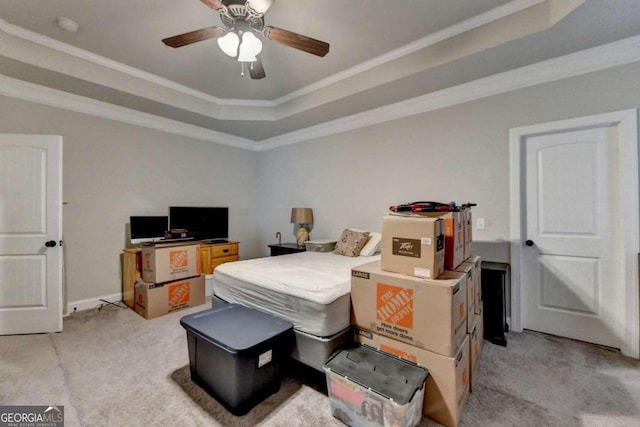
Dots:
(373, 244)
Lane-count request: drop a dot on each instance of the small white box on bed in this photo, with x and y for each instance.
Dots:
(320, 245)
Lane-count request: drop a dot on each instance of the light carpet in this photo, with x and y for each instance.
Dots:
(111, 367)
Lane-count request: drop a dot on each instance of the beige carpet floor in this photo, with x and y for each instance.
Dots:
(110, 367)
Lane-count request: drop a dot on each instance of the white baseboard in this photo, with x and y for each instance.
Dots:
(88, 304)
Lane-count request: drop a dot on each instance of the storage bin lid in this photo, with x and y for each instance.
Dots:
(386, 375)
(235, 327)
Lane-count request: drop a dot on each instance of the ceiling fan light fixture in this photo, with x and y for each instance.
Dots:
(229, 44)
(250, 47)
(241, 32)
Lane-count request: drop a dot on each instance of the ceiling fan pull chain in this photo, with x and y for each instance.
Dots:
(242, 69)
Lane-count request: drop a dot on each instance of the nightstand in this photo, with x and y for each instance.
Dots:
(285, 248)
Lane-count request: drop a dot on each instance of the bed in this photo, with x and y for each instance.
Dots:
(310, 289)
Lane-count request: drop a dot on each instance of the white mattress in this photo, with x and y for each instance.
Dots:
(310, 289)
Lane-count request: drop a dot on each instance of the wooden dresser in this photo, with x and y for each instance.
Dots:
(131, 273)
(212, 255)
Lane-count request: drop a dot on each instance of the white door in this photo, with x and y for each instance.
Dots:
(571, 284)
(30, 234)
(575, 229)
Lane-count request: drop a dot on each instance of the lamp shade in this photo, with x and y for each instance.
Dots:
(302, 216)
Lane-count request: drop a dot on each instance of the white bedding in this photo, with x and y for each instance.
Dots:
(310, 289)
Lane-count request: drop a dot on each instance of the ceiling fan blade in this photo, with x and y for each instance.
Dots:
(219, 7)
(194, 36)
(259, 7)
(297, 41)
(214, 4)
(256, 70)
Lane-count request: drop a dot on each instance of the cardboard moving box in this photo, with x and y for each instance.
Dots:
(476, 261)
(476, 343)
(157, 299)
(454, 224)
(447, 386)
(468, 233)
(164, 263)
(468, 269)
(430, 314)
(413, 245)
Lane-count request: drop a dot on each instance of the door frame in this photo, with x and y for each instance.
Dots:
(626, 122)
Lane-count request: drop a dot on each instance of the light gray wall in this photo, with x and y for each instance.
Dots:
(113, 170)
(459, 153)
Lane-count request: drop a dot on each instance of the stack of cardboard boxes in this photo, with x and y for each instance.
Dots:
(408, 305)
(171, 279)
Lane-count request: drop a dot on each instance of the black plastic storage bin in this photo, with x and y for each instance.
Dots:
(236, 353)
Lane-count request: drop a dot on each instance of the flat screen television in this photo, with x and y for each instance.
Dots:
(148, 228)
(201, 223)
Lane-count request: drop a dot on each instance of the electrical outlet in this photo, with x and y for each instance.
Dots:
(480, 223)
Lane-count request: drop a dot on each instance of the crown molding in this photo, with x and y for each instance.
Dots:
(31, 92)
(165, 91)
(68, 49)
(603, 57)
(500, 12)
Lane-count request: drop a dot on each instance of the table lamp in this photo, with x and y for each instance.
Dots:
(302, 216)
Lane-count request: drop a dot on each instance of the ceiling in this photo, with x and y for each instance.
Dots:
(382, 53)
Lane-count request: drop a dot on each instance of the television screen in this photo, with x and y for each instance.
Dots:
(148, 228)
(201, 223)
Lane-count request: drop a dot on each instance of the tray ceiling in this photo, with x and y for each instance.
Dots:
(382, 53)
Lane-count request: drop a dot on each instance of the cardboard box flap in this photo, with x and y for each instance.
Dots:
(462, 369)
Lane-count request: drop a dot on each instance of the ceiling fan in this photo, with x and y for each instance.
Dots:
(242, 19)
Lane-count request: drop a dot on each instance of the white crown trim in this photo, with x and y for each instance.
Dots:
(120, 67)
(56, 98)
(430, 40)
(507, 9)
(599, 58)
(595, 59)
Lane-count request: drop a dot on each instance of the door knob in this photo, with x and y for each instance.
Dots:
(50, 243)
(529, 243)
